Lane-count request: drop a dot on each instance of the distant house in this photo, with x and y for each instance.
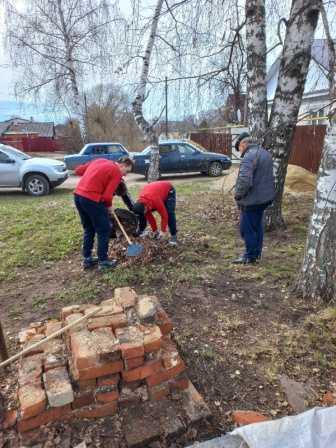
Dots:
(29, 135)
(316, 94)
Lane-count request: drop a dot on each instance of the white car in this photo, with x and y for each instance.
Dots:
(35, 175)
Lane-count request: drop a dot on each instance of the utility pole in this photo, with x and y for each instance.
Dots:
(166, 91)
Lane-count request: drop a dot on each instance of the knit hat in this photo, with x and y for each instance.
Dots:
(241, 137)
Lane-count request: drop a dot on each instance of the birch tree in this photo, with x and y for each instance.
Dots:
(148, 129)
(295, 60)
(256, 67)
(55, 44)
(317, 278)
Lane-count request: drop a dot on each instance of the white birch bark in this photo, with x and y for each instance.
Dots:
(256, 67)
(317, 278)
(77, 104)
(147, 129)
(318, 273)
(294, 66)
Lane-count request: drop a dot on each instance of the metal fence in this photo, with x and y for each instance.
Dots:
(216, 142)
(306, 147)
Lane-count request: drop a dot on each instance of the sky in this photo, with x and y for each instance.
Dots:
(9, 105)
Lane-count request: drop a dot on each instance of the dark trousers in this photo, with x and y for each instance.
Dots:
(252, 230)
(170, 205)
(95, 220)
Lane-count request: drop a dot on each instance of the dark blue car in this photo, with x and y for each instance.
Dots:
(178, 156)
(92, 151)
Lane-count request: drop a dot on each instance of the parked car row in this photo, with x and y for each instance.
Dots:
(176, 156)
(37, 176)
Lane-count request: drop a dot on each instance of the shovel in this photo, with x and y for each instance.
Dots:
(133, 250)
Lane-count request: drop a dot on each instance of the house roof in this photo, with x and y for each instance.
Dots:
(15, 125)
(316, 78)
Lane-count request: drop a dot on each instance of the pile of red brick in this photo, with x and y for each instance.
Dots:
(121, 355)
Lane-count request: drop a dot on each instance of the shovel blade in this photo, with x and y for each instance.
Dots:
(134, 250)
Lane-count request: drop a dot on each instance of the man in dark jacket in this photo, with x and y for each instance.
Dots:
(254, 192)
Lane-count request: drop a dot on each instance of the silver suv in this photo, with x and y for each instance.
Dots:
(35, 175)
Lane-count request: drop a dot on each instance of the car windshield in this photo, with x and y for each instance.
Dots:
(15, 153)
(147, 150)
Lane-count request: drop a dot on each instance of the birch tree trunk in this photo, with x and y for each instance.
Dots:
(77, 106)
(318, 273)
(317, 278)
(294, 66)
(256, 67)
(147, 129)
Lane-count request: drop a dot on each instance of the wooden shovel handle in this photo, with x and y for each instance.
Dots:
(121, 227)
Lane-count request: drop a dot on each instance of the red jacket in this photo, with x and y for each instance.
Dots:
(153, 196)
(100, 179)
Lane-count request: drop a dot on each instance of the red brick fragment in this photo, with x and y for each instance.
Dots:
(147, 370)
(131, 342)
(170, 355)
(83, 350)
(67, 310)
(84, 385)
(152, 338)
(50, 415)
(99, 322)
(32, 400)
(181, 382)
(163, 321)
(165, 375)
(119, 321)
(30, 370)
(134, 362)
(100, 369)
(106, 397)
(126, 297)
(52, 327)
(10, 418)
(83, 399)
(248, 417)
(97, 411)
(111, 380)
(106, 345)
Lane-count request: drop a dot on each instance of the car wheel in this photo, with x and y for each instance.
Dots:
(36, 185)
(215, 169)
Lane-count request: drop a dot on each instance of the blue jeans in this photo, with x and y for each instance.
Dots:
(95, 220)
(170, 204)
(252, 230)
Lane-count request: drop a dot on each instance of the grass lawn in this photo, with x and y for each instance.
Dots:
(238, 328)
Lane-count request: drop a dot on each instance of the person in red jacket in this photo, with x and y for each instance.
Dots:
(158, 196)
(93, 199)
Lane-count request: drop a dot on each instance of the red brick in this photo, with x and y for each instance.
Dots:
(119, 321)
(85, 385)
(67, 310)
(163, 321)
(101, 369)
(148, 369)
(106, 345)
(152, 338)
(26, 334)
(32, 400)
(248, 417)
(126, 297)
(58, 387)
(73, 318)
(33, 340)
(83, 399)
(97, 411)
(111, 304)
(170, 355)
(106, 397)
(111, 380)
(134, 362)
(165, 375)
(329, 398)
(50, 415)
(54, 361)
(52, 327)
(99, 322)
(83, 350)
(179, 383)
(131, 342)
(30, 370)
(158, 392)
(129, 396)
(10, 418)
